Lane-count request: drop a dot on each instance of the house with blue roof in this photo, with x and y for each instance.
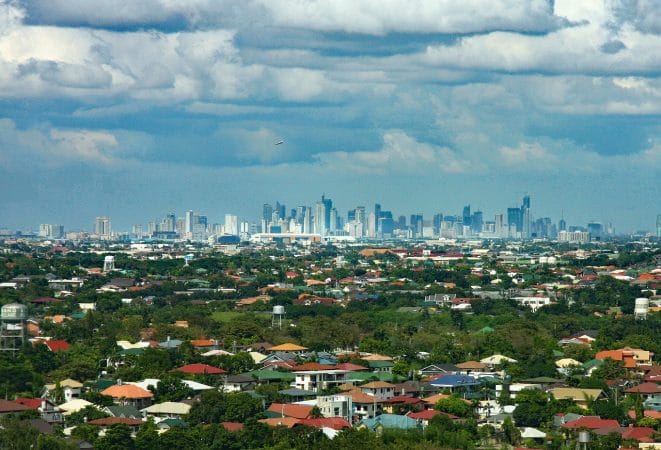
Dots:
(456, 383)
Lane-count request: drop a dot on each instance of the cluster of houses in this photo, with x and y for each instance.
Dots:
(345, 389)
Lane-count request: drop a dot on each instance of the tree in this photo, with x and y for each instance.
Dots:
(454, 405)
(147, 437)
(171, 389)
(607, 409)
(117, 437)
(510, 433)
(216, 407)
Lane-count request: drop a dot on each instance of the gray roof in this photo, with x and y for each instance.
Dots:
(123, 411)
(293, 392)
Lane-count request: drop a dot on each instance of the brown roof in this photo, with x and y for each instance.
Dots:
(281, 421)
(313, 366)
(7, 406)
(377, 385)
(471, 365)
(107, 421)
(126, 391)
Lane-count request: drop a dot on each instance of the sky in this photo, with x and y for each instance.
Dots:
(135, 109)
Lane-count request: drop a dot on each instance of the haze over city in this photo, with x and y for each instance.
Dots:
(134, 109)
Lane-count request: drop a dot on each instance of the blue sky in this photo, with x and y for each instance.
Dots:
(133, 109)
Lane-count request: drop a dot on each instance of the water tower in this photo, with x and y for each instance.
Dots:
(278, 316)
(108, 264)
(12, 326)
(641, 308)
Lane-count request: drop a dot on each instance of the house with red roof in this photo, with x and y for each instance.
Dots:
(47, 409)
(290, 410)
(591, 423)
(54, 345)
(200, 369)
(631, 357)
(335, 423)
(423, 417)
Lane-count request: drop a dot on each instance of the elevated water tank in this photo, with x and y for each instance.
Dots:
(14, 311)
(641, 307)
(278, 310)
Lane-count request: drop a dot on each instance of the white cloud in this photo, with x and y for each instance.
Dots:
(44, 146)
(413, 16)
(526, 156)
(400, 154)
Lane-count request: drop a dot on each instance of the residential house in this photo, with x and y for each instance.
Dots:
(582, 397)
(316, 377)
(379, 389)
(237, 383)
(8, 407)
(650, 393)
(289, 410)
(200, 369)
(167, 410)
(71, 389)
(434, 370)
(129, 395)
(459, 384)
(107, 422)
(339, 405)
(469, 367)
(46, 409)
(631, 357)
(423, 417)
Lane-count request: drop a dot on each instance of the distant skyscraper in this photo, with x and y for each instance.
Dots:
(231, 224)
(189, 222)
(476, 222)
(307, 220)
(102, 226)
(562, 225)
(416, 224)
(514, 219)
(377, 216)
(333, 220)
(466, 216)
(267, 213)
(658, 226)
(319, 218)
(51, 231)
(525, 217)
(328, 205)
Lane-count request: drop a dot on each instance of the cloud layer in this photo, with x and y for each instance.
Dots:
(479, 91)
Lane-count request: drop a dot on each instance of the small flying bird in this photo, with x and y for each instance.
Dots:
(279, 142)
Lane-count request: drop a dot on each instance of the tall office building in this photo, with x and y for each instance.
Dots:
(333, 220)
(102, 226)
(328, 205)
(476, 222)
(416, 224)
(525, 217)
(466, 216)
(267, 213)
(231, 224)
(189, 222)
(514, 219)
(307, 220)
(658, 226)
(319, 218)
(377, 216)
(499, 225)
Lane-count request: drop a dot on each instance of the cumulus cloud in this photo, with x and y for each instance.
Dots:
(400, 154)
(45, 146)
(412, 16)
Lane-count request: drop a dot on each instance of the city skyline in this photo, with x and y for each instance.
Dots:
(131, 109)
(325, 218)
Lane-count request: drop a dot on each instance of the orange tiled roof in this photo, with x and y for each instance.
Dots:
(129, 391)
(291, 410)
